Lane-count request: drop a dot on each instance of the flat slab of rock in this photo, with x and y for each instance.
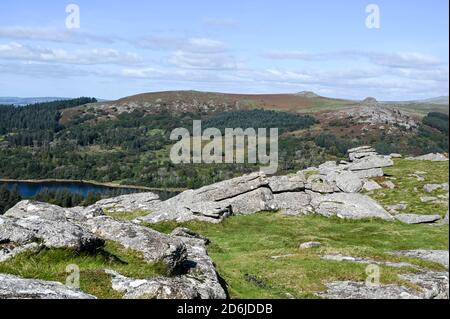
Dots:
(251, 202)
(310, 244)
(359, 290)
(371, 162)
(295, 203)
(435, 157)
(292, 183)
(349, 182)
(129, 203)
(369, 173)
(417, 219)
(153, 245)
(12, 287)
(52, 225)
(350, 206)
(437, 256)
(197, 279)
(371, 186)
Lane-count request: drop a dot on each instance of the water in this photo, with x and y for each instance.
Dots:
(29, 190)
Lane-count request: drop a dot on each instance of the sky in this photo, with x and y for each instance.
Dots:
(120, 48)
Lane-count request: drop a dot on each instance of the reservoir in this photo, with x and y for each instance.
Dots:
(30, 189)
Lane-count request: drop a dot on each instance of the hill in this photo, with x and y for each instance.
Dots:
(207, 102)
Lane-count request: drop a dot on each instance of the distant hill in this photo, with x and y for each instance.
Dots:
(208, 102)
(422, 107)
(29, 100)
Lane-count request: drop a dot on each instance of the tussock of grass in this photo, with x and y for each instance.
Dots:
(242, 247)
(50, 264)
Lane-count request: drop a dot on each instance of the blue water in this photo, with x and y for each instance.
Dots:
(29, 190)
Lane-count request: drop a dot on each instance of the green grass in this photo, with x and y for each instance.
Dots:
(128, 215)
(50, 264)
(409, 189)
(242, 246)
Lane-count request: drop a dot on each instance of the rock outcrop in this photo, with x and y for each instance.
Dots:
(12, 287)
(434, 157)
(432, 284)
(198, 279)
(417, 219)
(32, 225)
(330, 190)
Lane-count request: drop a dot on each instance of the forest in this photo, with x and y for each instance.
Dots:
(134, 148)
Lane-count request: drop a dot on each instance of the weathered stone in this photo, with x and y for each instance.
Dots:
(311, 244)
(197, 278)
(361, 260)
(395, 155)
(437, 256)
(369, 173)
(153, 245)
(393, 209)
(358, 155)
(187, 233)
(360, 290)
(319, 184)
(429, 188)
(417, 219)
(434, 285)
(12, 287)
(435, 157)
(292, 203)
(230, 188)
(8, 251)
(370, 162)
(371, 186)
(349, 182)
(292, 183)
(252, 202)
(388, 184)
(215, 210)
(52, 225)
(351, 206)
(129, 203)
(365, 148)
(427, 199)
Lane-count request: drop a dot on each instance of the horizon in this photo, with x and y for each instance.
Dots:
(274, 48)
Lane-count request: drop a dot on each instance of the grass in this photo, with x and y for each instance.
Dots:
(409, 190)
(242, 247)
(127, 215)
(50, 264)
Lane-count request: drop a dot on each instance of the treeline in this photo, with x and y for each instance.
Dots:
(8, 198)
(285, 122)
(36, 122)
(438, 121)
(66, 198)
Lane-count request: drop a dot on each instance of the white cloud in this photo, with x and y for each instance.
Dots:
(209, 61)
(17, 51)
(200, 45)
(51, 35)
(393, 60)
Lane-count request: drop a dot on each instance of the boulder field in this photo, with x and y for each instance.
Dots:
(331, 189)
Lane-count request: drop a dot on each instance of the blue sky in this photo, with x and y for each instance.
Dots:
(247, 46)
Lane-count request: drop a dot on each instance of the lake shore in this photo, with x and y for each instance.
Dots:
(94, 183)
